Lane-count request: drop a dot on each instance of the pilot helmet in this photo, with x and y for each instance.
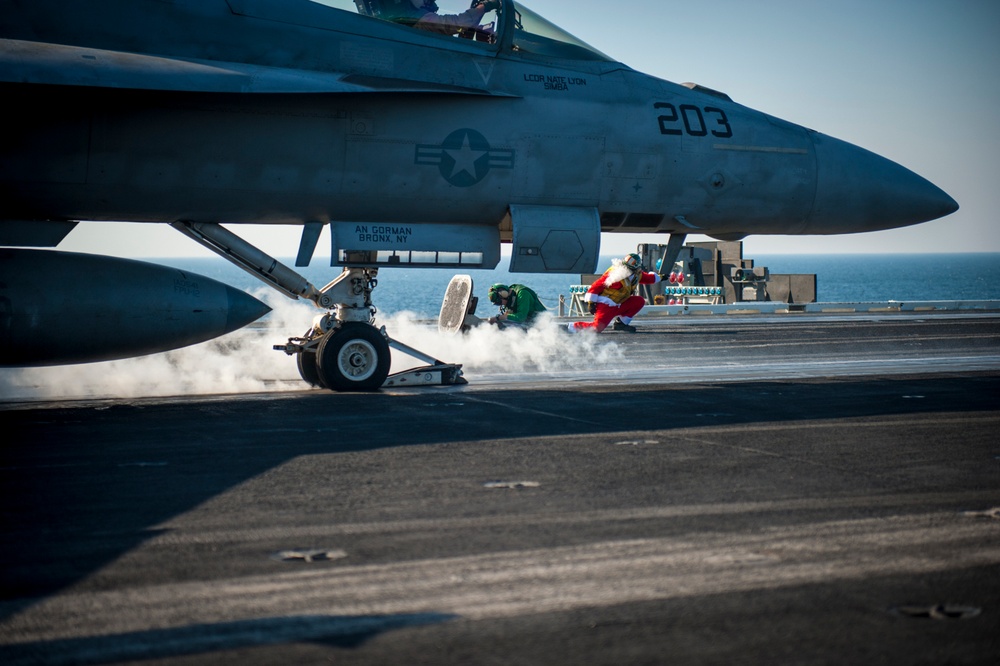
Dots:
(633, 263)
(498, 292)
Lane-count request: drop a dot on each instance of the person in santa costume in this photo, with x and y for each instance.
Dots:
(613, 296)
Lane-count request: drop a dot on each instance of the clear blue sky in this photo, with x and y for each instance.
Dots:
(913, 80)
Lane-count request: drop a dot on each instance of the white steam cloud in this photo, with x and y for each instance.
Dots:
(544, 350)
(244, 362)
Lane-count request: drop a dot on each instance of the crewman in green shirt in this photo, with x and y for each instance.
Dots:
(518, 304)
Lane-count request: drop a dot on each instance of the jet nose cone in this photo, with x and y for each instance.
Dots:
(857, 191)
(243, 309)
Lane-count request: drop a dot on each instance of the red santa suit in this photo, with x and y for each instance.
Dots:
(614, 295)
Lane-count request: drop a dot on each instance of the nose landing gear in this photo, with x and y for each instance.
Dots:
(354, 357)
(343, 351)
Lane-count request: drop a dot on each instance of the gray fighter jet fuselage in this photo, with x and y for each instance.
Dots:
(415, 147)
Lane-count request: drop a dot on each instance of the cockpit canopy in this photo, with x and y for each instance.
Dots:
(530, 33)
(534, 34)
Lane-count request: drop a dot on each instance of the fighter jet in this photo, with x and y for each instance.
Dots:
(418, 135)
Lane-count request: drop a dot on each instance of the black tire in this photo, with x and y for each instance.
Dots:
(308, 369)
(355, 357)
(306, 363)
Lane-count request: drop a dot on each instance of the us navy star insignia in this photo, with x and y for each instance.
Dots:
(464, 158)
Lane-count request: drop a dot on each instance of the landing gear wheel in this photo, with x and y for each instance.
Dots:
(308, 369)
(354, 357)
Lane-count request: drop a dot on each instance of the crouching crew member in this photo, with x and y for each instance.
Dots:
(614, 295)
(518, 304)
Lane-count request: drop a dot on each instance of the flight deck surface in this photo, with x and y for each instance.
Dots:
(805, 489)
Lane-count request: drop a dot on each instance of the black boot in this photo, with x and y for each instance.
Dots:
(619, 325)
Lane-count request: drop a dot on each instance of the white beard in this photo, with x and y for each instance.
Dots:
(619, 272)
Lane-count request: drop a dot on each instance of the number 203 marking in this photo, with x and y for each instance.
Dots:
(693, 120)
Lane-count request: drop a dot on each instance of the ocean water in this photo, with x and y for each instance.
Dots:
(897, 277)
(840, 278)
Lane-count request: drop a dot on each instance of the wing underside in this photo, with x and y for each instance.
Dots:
(62, 65)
